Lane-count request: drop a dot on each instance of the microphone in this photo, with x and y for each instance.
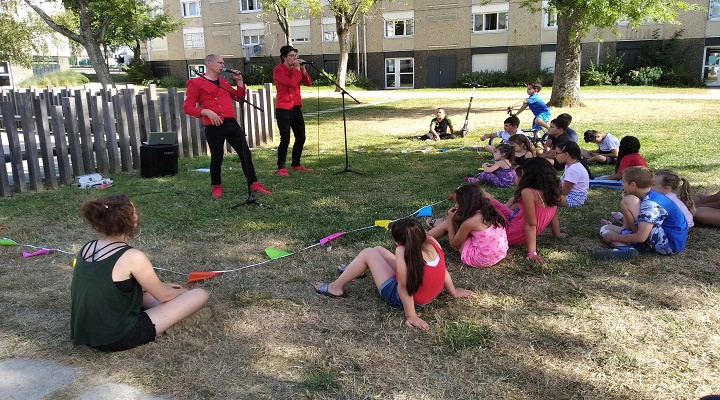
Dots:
(232, 71)
(307, 62)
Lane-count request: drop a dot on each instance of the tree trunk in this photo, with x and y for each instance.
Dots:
(566, 83)
(97, 58)
(343, 35)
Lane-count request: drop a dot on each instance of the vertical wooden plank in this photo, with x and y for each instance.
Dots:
(122, 132)
(111, 137)
(84, 131)
(143, 116)
(184, 145)
(164, 112)
(4, 181)
(257, 121)
(262, 133)
(185, 131)
(270, 112)
(16, 164)
(30, 134)
(152, 111)
(133, 122)
(249, 124)
(46, 145)
(98, 132)
(61, 146)
(73, 132)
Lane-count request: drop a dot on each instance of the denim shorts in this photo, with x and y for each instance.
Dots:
(389, 292)
(143, 332)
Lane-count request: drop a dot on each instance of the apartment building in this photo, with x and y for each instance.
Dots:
(418, 43)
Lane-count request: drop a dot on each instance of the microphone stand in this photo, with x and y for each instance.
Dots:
(250, 198)
(343, 92)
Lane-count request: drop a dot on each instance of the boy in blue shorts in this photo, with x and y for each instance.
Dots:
(659, 225)
(536, 105)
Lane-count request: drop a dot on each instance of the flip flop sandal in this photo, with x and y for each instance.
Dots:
(323, 290)
(430, 221)
(342, 269)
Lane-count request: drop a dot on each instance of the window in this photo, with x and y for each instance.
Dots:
(194, 40)
(248, 40)
(399, 73)
(4, 74)
(711, 69)
(190, 9)
(329, 34)
(403, 27)
(488, 22)
(714, 9)
(549, 16)
(300, 31)
(250, 5)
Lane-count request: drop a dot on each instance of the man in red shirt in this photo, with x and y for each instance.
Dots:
(206, 99)
(288, 76)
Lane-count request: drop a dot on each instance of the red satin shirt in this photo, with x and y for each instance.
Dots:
(208, 95)
(287, 83)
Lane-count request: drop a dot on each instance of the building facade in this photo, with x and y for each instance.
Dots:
(418, 43)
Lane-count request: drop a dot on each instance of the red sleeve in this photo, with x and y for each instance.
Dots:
(306, 80)
(288, 79)
(192, 93)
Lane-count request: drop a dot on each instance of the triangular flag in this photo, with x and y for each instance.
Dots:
(36, 253)
(326, 239)
(201, 276)
(425, 212)
(8, 242)
(275, 253)
(383, 223)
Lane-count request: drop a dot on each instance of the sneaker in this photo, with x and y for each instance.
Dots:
(258, 187)
(216, 191)
(616, 254)
(300, 168)
(282, 172)
(197, 318)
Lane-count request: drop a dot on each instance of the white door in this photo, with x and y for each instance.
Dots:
(399, 73)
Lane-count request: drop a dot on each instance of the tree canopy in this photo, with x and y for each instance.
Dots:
(19, 34)
(575, 20)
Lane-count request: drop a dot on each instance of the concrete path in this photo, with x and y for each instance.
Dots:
(35, 379)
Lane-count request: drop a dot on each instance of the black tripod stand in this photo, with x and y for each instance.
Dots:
(250, 198)
(343, 92)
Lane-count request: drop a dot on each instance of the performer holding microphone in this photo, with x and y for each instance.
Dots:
(210, 97)
(288, 76)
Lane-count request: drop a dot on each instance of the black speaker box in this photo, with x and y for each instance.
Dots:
(158, 160)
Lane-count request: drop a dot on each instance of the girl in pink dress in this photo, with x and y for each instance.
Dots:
(537, 197)
(474, 227)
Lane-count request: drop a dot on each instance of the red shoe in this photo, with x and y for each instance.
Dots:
(282, 172)
(258, 187)
(216, 191)
(301, 168)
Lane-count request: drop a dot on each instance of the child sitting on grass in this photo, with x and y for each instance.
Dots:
(410, 278)
(536, 105)
(474, 227)
(522, 148)
(653, 222)
(575, 180)
(667, 183)
(439, 126)
(608, 147)
(510, 128)
(502, 172)
(628, 156)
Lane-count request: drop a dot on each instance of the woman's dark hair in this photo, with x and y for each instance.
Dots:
(573, 150)
(409, 233)
(111, 215)
(507, 151)
(540, 175)
(471, 200)
(628, 145)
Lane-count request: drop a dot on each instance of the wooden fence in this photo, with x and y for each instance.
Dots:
(49, 136)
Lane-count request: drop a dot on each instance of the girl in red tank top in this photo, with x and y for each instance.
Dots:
(411, 277)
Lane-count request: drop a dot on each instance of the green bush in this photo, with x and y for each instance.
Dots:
(140, 72)
(608, 72)
(259, 73)
(170, 81)
(495, 78)
(645, 76)
(56, 78)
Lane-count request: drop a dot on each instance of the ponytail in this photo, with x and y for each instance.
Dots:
(409, 233)
(686, 195)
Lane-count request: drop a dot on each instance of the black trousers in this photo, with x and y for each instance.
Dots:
(287, 119)
(233, 133)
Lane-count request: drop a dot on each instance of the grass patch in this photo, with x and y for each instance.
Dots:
(579, 328)
(466, 335)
